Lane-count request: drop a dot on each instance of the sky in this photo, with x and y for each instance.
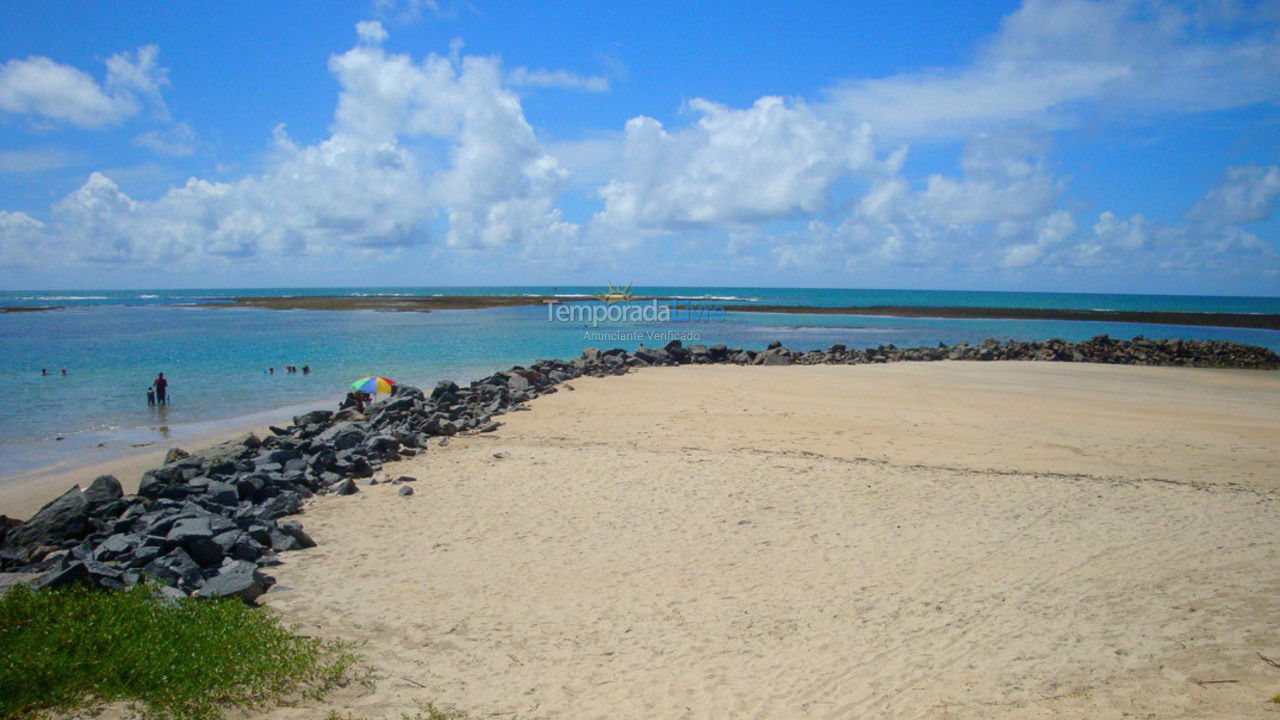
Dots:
(1047, 145)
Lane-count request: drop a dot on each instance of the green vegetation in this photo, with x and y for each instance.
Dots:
(71, 649)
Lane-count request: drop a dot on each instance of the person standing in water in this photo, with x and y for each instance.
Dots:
(161, 385)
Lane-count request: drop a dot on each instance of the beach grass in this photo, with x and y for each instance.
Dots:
(76, 648)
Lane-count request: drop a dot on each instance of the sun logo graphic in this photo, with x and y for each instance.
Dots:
(614, 294)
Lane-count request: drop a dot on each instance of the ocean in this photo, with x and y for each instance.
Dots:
(113, 343)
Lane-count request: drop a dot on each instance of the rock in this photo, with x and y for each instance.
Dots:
(246, 548)
(346, 487)
(65, 519)
(205, 551)
(405, 479)
(516, 384)
(174, 455)
(341, 436)
(406, 490)
(103, 490)
(293, 529)
(75, 572)
(188, 529)
(116, 546)
(155, 481)
(176, 568)
(315, 417)
(222, 493)
(238, 579)
(774, 357)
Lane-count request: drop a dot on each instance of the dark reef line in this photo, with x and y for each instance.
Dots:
(1240, 320)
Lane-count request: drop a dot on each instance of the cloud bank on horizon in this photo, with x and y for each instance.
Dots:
(432, 165)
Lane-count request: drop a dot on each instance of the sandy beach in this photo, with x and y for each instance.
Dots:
(944, 540)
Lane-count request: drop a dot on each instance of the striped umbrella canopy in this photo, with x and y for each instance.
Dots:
(372, 384)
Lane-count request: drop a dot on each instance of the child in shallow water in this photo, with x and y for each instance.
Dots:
(151, 396)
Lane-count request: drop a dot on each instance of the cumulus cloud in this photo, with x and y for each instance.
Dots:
(411, 142)
(772, 160)
(1053, 61)
(44, 90)
(500, 186)
(21, 237)
(1246, 194)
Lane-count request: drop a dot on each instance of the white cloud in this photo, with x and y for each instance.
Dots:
(1245, 194)
(33, 161)
(411, 142)
(1131, 234)
(44, 90)
(406, 11)
(1051, 231)
(23, 241)
(1055, 60)
(178, 140)
(500, 186)
(563, 79)
(772, 160)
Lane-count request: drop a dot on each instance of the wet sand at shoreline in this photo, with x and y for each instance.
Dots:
(942, 540)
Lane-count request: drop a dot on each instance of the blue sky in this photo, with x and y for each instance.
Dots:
(1055, 145)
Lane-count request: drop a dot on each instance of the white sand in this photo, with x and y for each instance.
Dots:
(945, 540)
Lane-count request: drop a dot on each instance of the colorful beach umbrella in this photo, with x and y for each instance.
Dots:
(372, 385)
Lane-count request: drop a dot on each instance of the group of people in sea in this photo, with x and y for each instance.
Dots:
(291, 369)
(45, 371)
(158, 391)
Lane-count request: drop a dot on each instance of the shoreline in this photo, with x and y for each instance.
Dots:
(20, 491)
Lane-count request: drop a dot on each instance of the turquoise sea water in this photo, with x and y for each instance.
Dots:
(113, 343)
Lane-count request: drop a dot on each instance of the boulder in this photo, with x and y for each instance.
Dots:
(104, 490)
(315, 417)
(63, 520)
(204, 550)
(176, 568)
(237, 579)
(341, 436)
(293, 529)
(62, 577)
(116, 547)
(406, 490)
(222, 493)
(189, 528)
